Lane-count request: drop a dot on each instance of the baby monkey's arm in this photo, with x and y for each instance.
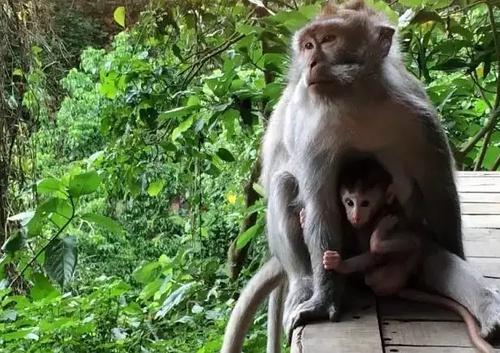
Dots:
(399, 241)
(359, 263)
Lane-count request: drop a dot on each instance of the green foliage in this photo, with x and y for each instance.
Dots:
(141, 170)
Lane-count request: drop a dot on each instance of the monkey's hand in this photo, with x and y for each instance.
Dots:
(331, 260)
(302, 217)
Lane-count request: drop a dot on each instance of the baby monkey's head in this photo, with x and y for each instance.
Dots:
(365, 187)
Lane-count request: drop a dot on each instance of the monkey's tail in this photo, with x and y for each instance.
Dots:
(257, 289)
(472, 327)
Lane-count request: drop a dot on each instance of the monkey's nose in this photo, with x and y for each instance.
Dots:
(313, 64)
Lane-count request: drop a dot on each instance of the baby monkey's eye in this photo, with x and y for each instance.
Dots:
(309, 45)
(349, 202)
(328, 38)
(365, 203)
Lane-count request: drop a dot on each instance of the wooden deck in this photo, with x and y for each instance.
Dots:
(387, 326)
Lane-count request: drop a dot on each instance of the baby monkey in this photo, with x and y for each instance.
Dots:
(390, 246)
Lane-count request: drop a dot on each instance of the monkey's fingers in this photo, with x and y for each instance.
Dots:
(302, 217)
(331, 253)
(328, 265)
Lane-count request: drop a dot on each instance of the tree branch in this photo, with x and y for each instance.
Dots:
(198, 66)
(496, 164)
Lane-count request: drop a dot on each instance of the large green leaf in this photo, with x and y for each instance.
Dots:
(60, 259)
(104, 222)
(155, 187)
(175, 298)
(59, 211)
(413, 3)
(42, 288)
(225, 155)
(147, 273)
(119, 15)
(51, 186)
(245, 237)
(177, 112)
(184, 126)
(83, 184)
(15, 242)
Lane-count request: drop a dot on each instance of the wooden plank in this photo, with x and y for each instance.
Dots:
(469, 174)
(488, 266)
(480, 208)
(480, 233)
(483, 197)
(425, 333)
(480, 180)
(358, 331)
(412, 349)
(481, 221)
(429, 333)
(482, 242)
(406, 310)
(484, 187)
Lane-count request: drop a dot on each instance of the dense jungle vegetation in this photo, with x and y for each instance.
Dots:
(130, 210)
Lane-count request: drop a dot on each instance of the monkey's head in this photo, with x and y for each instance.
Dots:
(340, 48)
(365, 187)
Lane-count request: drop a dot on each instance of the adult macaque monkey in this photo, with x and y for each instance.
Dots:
(348, 91)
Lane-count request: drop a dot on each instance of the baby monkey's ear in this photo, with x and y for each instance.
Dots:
(385, 34)
(390, 194)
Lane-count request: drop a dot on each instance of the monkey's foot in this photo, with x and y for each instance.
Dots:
(297, 294)
(490, 315)
(314, 309)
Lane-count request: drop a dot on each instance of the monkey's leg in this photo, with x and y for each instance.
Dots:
(442, 209)
(318, 178)
(287, 243)
(321, 224)
(387, 279)
(460, 281)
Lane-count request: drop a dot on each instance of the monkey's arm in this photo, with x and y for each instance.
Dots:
(359, 263)
(400, 241)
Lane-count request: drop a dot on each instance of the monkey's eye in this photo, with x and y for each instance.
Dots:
(365, 203)
(309, 45)
(328, 38)
(349, 202)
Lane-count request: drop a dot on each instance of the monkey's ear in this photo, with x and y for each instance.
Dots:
(328, 10)
(390, 194)
(385, 34)
(354, 5)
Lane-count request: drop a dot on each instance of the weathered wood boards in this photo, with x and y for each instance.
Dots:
(357, 332)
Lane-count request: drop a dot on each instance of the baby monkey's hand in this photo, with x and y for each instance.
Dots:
(331, 260)
(302, 217)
